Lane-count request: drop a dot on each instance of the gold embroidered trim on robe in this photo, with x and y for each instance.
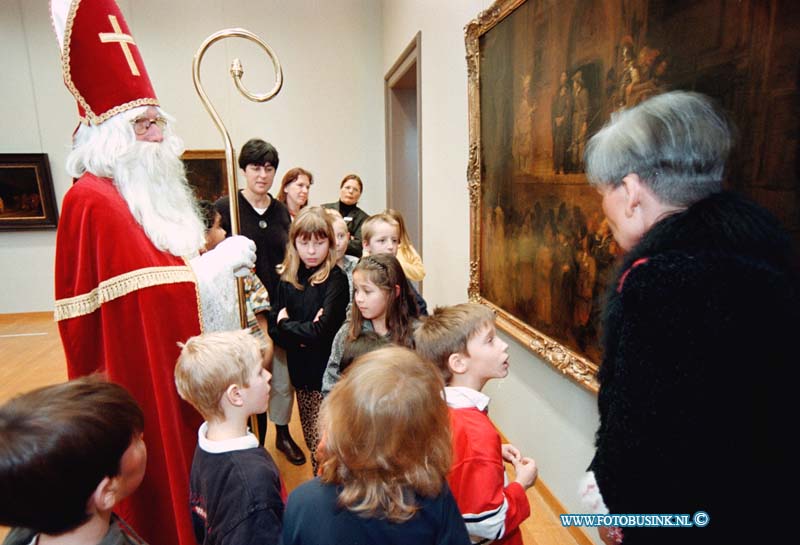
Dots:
(119, 286)
(197, 293)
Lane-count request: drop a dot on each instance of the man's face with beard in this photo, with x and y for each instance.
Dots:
(152, 131)
(151, 178)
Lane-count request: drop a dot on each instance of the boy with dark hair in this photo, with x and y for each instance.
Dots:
(463, 343)
(236, 494)
(367, 342)
(69, 453)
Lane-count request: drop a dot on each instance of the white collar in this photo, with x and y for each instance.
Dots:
(461, 397)
(226, 445)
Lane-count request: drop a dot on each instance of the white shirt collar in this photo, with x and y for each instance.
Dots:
(461, 397)
(226, 445)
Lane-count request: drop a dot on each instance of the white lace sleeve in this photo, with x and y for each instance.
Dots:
(591, 498)
(217, 289)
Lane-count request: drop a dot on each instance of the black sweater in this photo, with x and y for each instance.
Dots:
(270, 232)
(308, 343)
(235, 497)
(313, 517)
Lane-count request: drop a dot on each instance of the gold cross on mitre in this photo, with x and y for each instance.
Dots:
(123, 40)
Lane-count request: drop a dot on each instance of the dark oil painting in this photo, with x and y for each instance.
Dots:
(551, 73)
(206, 173)
(26, 192)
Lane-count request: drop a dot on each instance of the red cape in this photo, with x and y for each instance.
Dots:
(122, 306)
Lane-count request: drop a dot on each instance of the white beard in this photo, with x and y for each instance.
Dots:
(152, 180)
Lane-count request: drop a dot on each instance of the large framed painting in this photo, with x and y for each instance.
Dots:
(207, 173)
(543, 77)
(26, 192)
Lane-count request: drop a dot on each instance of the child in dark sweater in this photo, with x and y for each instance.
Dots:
(236, 494)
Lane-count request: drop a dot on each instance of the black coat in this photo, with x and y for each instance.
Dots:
(698, 345)
(308, 343)
(354, 217)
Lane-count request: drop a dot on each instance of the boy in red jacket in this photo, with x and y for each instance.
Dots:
(462, 341)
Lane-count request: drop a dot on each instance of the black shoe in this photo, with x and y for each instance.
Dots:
(285, 444)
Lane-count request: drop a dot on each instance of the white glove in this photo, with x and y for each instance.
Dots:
(237, 254)
(214, 271)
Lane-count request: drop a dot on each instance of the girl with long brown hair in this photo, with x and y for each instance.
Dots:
(382, 302)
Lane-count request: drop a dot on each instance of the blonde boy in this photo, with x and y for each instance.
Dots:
(235, 491)
(380, 234)
(281, 393)
(463, 343)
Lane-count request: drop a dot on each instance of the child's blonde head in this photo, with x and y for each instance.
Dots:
(448, 330)
(339, 230)
(210, 363)
(386, 434)
(371, 223)
(335, 215)
(311, 222)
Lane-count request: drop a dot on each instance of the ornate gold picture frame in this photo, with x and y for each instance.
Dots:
(543, 76)
(511, 270)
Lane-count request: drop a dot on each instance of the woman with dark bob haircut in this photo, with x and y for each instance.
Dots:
(384, 459)
(696, 330)
(349, 192)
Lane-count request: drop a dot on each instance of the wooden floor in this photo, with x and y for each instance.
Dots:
(31, 356)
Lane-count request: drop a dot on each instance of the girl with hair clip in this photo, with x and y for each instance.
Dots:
(406, 253)
(384, 303)
(309, 308)
(384, 460)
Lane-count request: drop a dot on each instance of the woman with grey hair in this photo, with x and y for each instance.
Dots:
(696, 327)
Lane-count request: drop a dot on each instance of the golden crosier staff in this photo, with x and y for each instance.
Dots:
(230, 155)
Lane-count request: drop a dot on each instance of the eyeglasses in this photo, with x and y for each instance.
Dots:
(142, 124)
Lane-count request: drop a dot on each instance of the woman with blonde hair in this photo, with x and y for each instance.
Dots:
(384, 460)
(406, 253)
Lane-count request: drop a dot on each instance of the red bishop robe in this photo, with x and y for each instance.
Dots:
(122, 306)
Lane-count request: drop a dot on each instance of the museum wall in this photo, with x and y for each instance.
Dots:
(545, 414)
(328, 117)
